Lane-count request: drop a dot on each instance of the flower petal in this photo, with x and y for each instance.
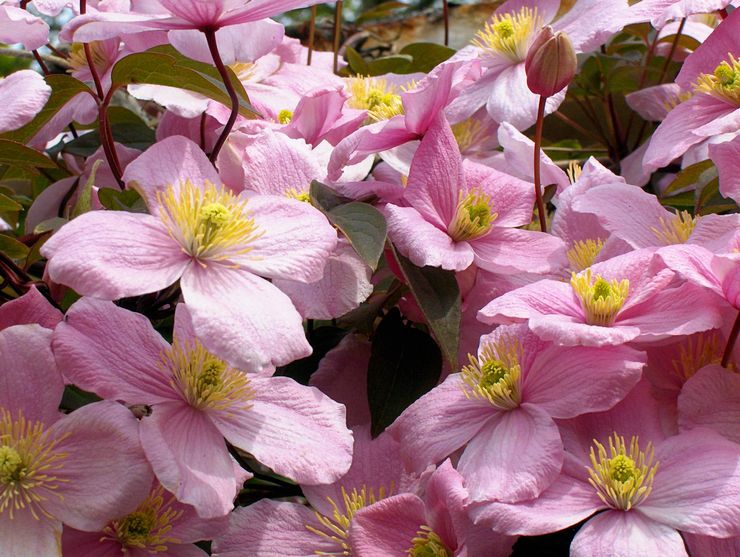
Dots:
(30, 308)
(19, 26)
(388, 527)
(711, 398)
(24, 93)
(505, 250)
(26, 535)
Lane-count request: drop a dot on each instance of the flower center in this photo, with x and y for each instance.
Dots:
(380, 98)
(574, 171)
(209, 223)
(245, 71)
(428, 544)
(285, 116)
(509, 34)
(468, 133)
(583, 254)
(147, 527)
(495, 375)
(601, 300)
(336, 527)
(205, 381)
(28, 463)
(78, 58)
(723, 83)
(473, 217)
(696, 352)
(624, 477)
(675, 229)
(298, 194)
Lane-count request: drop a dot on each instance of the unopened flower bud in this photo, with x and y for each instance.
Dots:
(551, 62)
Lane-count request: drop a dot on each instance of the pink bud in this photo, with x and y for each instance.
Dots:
(551, 62)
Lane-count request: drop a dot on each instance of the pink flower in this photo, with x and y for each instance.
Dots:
(453, 219)
(197, 400)
(19, 26)
(159, 526)
(725, 157)
(660, 12)
(30, 308)
(435, 524)
(711, 399)
(24, 93)
(631, 297)
(82, 469)
(500, 409)
(216, 243)
(650, 487)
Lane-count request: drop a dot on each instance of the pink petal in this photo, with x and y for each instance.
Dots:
(439, 423)
(24, 92)
(512, 199)
(711, 398)
(32, 307)
(510, 250)
(569, 332)
(76, 543)
(29, 379)
(243, 319)
(105, 474)
(542, 298)
(388, 527)
(514, 457)
(95, 255)
(295, 243)
(423, 243)
(697, 494)
(19, 26)
(590, 23)
(189, 458)
(725, 156)
(103, 363)
(653, 103)
(296, 430)
(25, 536)
(626, 533)
(704, 546)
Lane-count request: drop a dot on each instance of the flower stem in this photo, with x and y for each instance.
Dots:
(731, 342)
(213, 47)
(106, 139)
(311, 33)
(446, 14)
(537, 151)
(337, 32)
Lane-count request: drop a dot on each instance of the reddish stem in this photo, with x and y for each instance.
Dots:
(311, 33)
(446, 15)
(223, 72)
(106, 139)
(537, 150)
(723, 13)
(731, 342)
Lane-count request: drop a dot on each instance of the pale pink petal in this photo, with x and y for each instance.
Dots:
(388, 527)
(542, 298)
(24, 93)
(653, 103)
(114, 254)
(26, 536)
(512, 199)
(439, 423)
(76, 543)
(423, 243)
(546, 9)
(570, 332)
(178, 102)
(105, 474)
(297, 431)
(725, 156)
(258, 529)
(29, 379)
(295, 242)
(189, 458)
(590, 23)
(704, 546)
(20, 26)
(514, 457)
(723, 123)
(698, 494)
(632, 169)
(505, 250)
(626, 533)
(711, 398)
(32, 307)
(103, 363)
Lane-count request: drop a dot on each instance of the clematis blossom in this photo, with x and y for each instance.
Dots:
(24, 94)
(217, 244)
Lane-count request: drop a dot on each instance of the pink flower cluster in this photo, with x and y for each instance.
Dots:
(168, 386)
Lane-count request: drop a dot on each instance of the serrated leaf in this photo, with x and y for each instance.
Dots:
(13, 248)
(405, 363)
(365, 228)
(438, 295)
(699, 173)
(17, 155)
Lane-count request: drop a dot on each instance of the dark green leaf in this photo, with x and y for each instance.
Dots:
(135, 136)
(17, 155)
(397, 63)
(365, 228)
(322, 340)
(405, 363)
(9, 205)
(355, 61)
(324, 197)
(117, 200)
(427, 56)
(13, 248)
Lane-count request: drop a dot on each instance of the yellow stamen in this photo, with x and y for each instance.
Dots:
(574, 171)
(695, 352)
(723, 83)
(583, 254)
(676, 229)
(623, 478)
(204, 380)
(428, 544)
(509, 34)
(209, 223)
(674, 100)
(148, 526)
(601, 300)
(495, 375)
(473, 217)
(468, 133)
(285, 116)
(300, 195)
(78, 59)
(380, 98)
(29, 460)
(245, 71)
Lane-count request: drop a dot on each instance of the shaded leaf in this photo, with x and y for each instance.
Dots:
(13, 248)
(117, 200)
(699, 173)
(365, 228)
(17, 155)
(8, 204)
(324, 198)
(426, 56)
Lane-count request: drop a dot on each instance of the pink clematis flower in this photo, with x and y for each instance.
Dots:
(196, 401)
(650, 487)
(30, 308)
(19, 26)
(454, 218)
(83, 469)
(435, 524)
(631, 297)
(24, 93)
(726, 156)
(216, 243)
(711, 399)
(501, 406)
(660, 12)
(159, 526)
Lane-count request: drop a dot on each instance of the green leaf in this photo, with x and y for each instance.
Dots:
(117, 200)
(405, 363)
(385, 9)
(397, 63)
(699, 173)
(84, 199)
(134, 135)
(50, 225)
(9, 205)
(427, 56)
(17, 155)
(63, 89)
(438, 295)
(365, 228)
(356, 63)
(13, 248)
(323, 197)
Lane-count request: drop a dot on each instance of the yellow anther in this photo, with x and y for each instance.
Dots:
(285, 116)
(300, 195)
(380, 98)
(723, 83)
(495, 375)
(601, 300)
(676, 229)
(697, 351)
(509, 34)
(468, 133)
(583, 254)
(574, 171)
(428, 544)
(473, 217)
(11, 465)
